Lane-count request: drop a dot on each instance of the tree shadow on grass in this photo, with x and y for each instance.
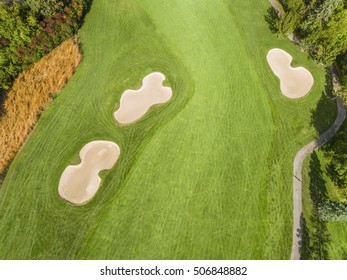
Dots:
(316, 240)
(88, 4)
(335, 152)
(2, 178)
(305, 247)
(318, 190)
(344, 255)
(320, 238)
(323, 116)
(272, 19)
(2, 100)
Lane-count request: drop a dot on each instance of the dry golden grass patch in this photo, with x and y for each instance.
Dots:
(31, 93)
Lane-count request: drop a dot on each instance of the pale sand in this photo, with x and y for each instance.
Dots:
(135, 103)
(79, 183)
(294, 82)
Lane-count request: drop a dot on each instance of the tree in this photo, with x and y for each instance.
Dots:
(321, 26)
(29, 29)
(44, 8)
(294, 13)
(324, 31)
(15, 34)
(336, 155)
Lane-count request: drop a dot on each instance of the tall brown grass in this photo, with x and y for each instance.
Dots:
(31, 93)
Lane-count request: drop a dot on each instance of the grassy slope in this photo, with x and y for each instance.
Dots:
(206, 176)
(336, 231)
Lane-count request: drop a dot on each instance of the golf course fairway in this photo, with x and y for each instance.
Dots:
(207, 175)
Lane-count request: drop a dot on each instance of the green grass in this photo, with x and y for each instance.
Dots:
(336, 243)
(206, 176)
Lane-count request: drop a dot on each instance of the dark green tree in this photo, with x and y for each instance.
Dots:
(321, 26)
(44, 8)
(336, 155)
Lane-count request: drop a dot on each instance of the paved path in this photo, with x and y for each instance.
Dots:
(301, 155)
(297, 178)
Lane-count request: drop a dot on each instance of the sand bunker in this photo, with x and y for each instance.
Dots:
(79, 183)
(135, 103)
(294, 82)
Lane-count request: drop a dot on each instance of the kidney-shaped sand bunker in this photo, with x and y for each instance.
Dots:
(135, 103)
(79, 183)
(294, 82)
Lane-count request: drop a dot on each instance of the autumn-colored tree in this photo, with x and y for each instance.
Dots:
(31, 93)
(29, 29)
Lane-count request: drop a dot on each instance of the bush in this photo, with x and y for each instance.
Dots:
(333, 211)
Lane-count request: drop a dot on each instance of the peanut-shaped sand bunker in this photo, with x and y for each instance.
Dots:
(294, 82)
(135, 103)
(79, 183)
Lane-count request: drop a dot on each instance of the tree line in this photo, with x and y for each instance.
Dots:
(30, 29)
(31, 92)
(320, 27)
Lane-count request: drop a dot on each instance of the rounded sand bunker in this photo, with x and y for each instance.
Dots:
(294, 82)
(79, 183)
(135, 103)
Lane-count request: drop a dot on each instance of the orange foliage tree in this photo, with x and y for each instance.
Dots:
(32, 91)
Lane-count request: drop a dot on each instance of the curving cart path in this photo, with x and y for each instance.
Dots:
(297, 178)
